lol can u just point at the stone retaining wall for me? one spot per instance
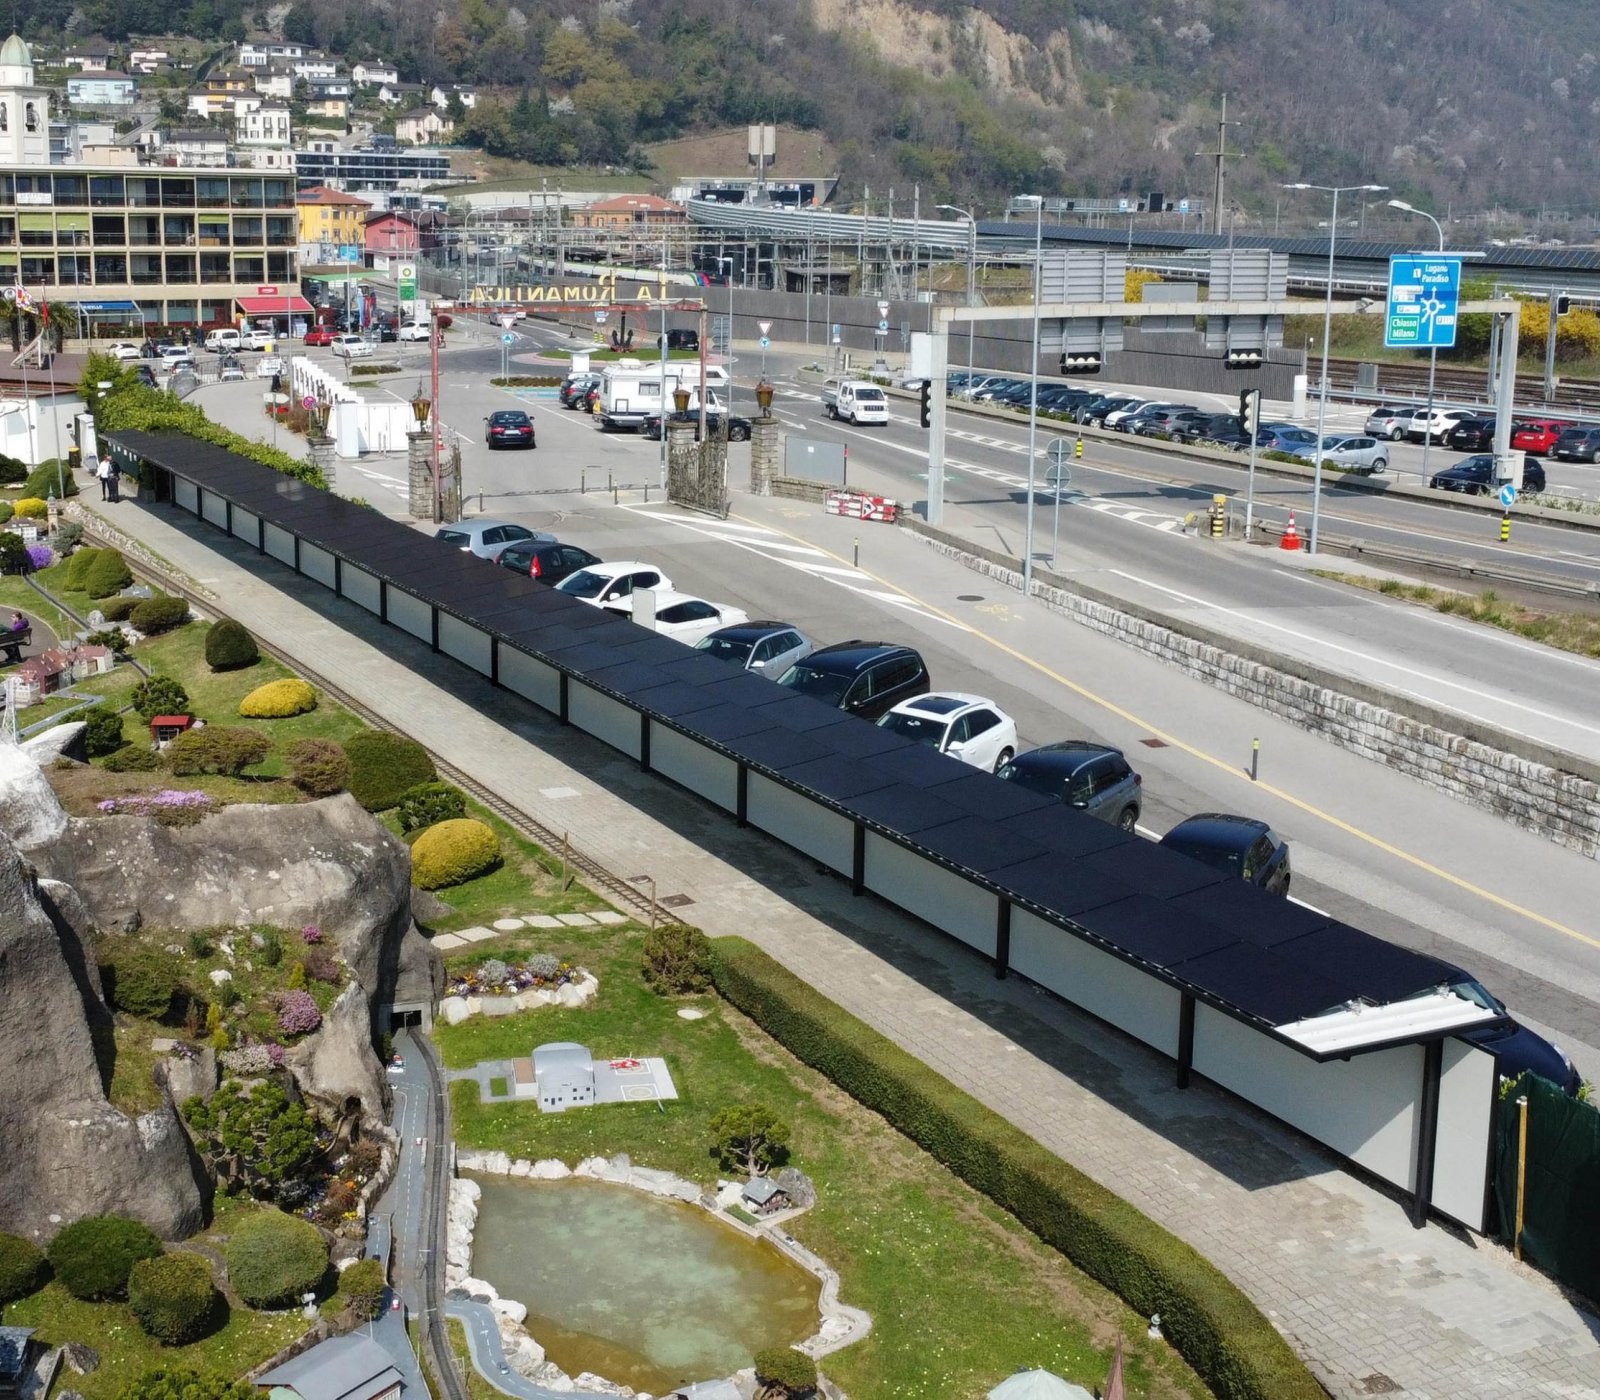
(1543, 790)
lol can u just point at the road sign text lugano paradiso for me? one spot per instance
(603, 290)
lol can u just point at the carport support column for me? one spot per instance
(1185, 1039)
(1002, 939)
(1427, 1131)
(858, 860)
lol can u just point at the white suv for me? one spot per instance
(413, 330)
(351, 347)
(1444, 419)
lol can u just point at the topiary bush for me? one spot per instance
(49, 479)
(677, 960)
(274, 1258)
(427, 804)
(318, 767)
(78, 567)
(133, 759)
(173, 1297)
(230, 647)
(384, 767)
(159, 614)
(143, 984)
(93, 1257)
(785, 1371)
(13, 554)
(6, 512)
(216, 749)
(453, 852)
(107, 574)
(31, 508)
(279, 699)
(361, 1286)
(22, 1268)
(12, 471)
(160, 695)
(102, 731)
(118, 609)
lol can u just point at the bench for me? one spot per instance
(12, 643)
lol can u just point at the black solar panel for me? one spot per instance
(1151, 929)
(836, 777)
(976, 844)
(1266, 985)
(1068, 887)
(1267, 920)
(725, 722)
(892, 807)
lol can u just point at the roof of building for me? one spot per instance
(16, 53)
(624, 202)
(561, 1054)
(1038, 1385)
(195, 136)
(343, 1368)
(321, 194)
(13, 1340)
(760, 1190)
(109, 73)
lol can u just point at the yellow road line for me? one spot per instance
(1221, 764)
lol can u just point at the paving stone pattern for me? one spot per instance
(1369, 1302)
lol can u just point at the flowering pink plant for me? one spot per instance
(145, 804)
(311, 933)
(297, 1014)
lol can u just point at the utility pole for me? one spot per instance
(1220, 155)
(1550, 349)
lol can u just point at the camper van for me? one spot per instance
(631, 390)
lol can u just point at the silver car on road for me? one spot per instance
(1351, 453)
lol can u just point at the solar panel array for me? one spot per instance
(1256, 956)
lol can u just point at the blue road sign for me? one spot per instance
(765, 342)
(1423, 295)
(1508, 495)
(508, 339)
(883, 326)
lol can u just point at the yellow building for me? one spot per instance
(330, 220)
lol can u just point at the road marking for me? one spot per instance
(1326, 645)
(1232, 771)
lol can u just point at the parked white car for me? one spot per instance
(968, 727)
(123, 350)
(351, 347)
(174, 356)
(600, 584)
(680, 616)
(412, 330)
(1438, 428)
(258, 338)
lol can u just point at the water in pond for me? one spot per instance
(650, 1293)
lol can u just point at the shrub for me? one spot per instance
(273, 1258)
(229, 647)
(320, 966)
(49, 479)
(545, 966)
(136, 758)
(750, 1138)
(159, 614)
(92, 1257)
(271, 950)
(21, 1268)
(1219, 1332)
(6, 512)
(427, 804)
(318, 767)
(216, 749)
(453, 852)
(107, 574)
(362, 1285)
(181, 1383)
(31, 508)
(109, 637)
(297, 977)
(200, 947)
(12, 471)
(384, 767)
(173, 1297)
(40, 556)
(78, 568)
(68, 533)
(297, 1013)
(118, 609)
(790, 1372)
(160, 695)
(102, 730)
(144, 984)
(677, 960)
(279, 699)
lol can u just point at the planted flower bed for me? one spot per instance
(543, 971)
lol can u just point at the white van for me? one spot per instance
(856, 401)
(222, 339)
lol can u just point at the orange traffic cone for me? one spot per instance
(1291, 536)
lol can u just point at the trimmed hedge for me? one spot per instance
(279, 699)
(216, 749)
(31, 508)
(22, 1268)
(108, 573)
(173, 1297)
(159, 614)
(384, 767)
(427, 804)
(1234, 1349)
(102, 730)
(78, 567)
(273, 1258)
(230, 647)
(115, 609)
(453, 852)
(318, 767)
(93, 1257)
(48, 479)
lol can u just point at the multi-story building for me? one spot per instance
(260, 55)
(422, 127)
(106, 89)
(167, 246)
(314, 66)
(266, 126)
(378, 168)
(366, 74)
(270, 83)
(330, 220)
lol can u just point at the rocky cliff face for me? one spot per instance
(67, 1151)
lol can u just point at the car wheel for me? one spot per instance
(1380, 465)
(833, 413)
(1395, 434)
(1006, 755)
(1129, 819)
(738, 434)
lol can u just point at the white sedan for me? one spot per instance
(351, 347)
(681, 616)
(600, 584)
(413, 330)
(123, 350)
(175, 357)
(967, 727)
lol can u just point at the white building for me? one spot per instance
(267, 126)
(277, 85)
(422, 127)
(105, 89)
(313, 67)
(440, 96)
(367, 74)
(24, 109)
(148, 60)
(260, 55)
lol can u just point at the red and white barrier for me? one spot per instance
(857, 505)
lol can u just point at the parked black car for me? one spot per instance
(1093, 778)
(1515, 1048)
(738, 428)
(681, 340)
(1219, 428)
(866, 678)
(545, 559)
(1471, 435)
(1474, 476)
(1170, 422)
(1094, 412)
(1578, 445)
(1240, 846)
(575, 389)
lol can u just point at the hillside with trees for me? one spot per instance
(1487, 102)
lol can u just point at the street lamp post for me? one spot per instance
(1327, 328)
(972, 269)
(1433, 350)
(1033, 393)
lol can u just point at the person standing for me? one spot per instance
(103, 471)
(116, 480)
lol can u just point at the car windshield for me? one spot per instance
(1034, 777)
(734, 649)
(586, 583)
(918, 728)
(1230, 862)
(870, 395)
(827, 686)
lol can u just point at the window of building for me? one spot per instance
(180, 267)
(247, 230)
(144, 230)
(249, 269)
(36, 230)
(110, 267)
(212, 192)
(74, 269)
(146, 269)
(177, 194)
(106, 191)
(71, 190)
(215, 267)
(144, 192)
(5, 116)
(110, 230)
(72, 230)
(35, 269)
(31, 116)
(214, 231)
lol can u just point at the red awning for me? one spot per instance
(274, 306)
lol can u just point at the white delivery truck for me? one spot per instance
(856, 400)
(223, 339)
(631, 390)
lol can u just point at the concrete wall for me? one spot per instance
(1540, 789)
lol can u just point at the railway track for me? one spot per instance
(1470, 385)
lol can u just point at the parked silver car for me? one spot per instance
(1389, 421)
(485, 538)
(1352, 453)
(767, 648)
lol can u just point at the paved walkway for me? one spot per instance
(1374, 1306)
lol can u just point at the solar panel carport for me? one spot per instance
(1338, 1033)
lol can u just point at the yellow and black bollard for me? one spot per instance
(1219, 517)
(1505, 527)
(1077, 450)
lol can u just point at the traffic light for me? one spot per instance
(927, 403)
(1243, 359)
(1563, 305)
(1250, 412)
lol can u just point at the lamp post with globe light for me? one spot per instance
(1327, 327)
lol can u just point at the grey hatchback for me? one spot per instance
(767, 648)
(1094, 778)
(486, 538)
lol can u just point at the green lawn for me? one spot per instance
(477, 1387)
(961, 1295)
(15, 594)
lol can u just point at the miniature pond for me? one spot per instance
(650, 1293)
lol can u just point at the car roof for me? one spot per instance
(852, 656)
(665, 598)
(1221, 830)
(508, 413)
(756, 629)
(612, 567)
(1067, 753)
(945, 703)
(539, 540)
